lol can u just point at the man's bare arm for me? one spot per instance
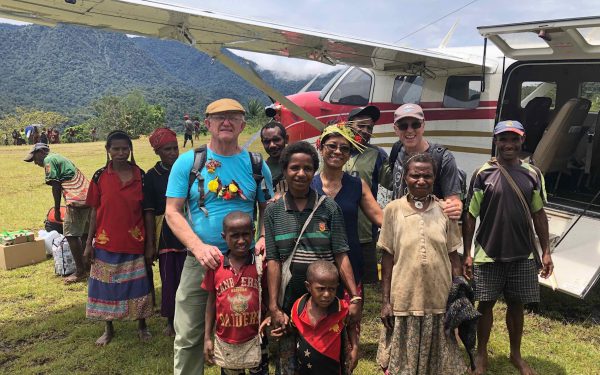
(468, 229)
(207, 255)
(540, 223)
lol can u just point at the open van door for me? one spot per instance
(568, 39)
(558, 62)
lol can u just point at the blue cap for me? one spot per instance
(509, 126)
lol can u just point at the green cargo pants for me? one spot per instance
(190, 305)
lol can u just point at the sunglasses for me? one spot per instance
(404, 125)
(344, 149)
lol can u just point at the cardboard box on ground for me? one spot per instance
(23, 254)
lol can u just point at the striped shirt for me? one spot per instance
(324, 236)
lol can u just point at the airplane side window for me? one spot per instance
(407, 89)
(462, 92)
(535, 89)
(591, 92)
(355, 89)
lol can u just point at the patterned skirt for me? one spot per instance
(417, 345)
(118, 287)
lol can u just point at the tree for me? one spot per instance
(130, 113)
(255, 108)
(24, 117)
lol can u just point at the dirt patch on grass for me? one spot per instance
(21, 343)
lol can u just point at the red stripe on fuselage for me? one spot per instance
(434, 111)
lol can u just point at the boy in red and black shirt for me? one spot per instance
(319, 318)
(233, 305)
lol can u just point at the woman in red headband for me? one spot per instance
(171, 253)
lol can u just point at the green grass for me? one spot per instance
(43, 329)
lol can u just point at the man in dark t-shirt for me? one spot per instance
(504, 251)
(274, 138)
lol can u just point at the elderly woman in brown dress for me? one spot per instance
(419, 245)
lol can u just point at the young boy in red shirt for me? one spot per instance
(234, 308)
(319, 318)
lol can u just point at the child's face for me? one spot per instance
(322, 289)
(238, 236)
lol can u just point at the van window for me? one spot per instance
(462, 92)
(534, 89)
(355, 89)
(407, 89)
(591, 92)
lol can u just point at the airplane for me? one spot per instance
(544, 74)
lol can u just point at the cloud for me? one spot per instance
(287, 68)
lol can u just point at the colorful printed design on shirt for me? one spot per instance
(322, 226)
(236, 300)
(136, 233)
(319, 347)
(239, 302)
(102, 238)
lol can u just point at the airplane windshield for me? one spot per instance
(331, 83)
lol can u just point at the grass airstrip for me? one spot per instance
(43, 329)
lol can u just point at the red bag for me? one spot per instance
(50, 215)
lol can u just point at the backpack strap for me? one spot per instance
(394, 153)
(437, 153)
(195, 174)
(257, 162)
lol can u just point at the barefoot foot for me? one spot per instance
(144, 334)
(105, 338)
(481, 363)
(169, 331)
(521, 365)
(74, 278)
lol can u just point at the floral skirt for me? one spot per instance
(417, 345)
(118, 287)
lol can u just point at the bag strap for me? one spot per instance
(525, 206)
(317, 204)
(258, 262)
(195, 174)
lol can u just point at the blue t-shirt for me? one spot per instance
(348, 198)
(235, 167)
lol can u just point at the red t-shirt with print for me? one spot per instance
(236, 299)
(119, 215)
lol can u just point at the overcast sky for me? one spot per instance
(391, 21)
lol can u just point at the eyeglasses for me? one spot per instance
(344, 149)
(233, 119)
(404, 125)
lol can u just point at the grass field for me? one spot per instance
(43, 329)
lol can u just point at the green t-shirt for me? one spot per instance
(58, 168)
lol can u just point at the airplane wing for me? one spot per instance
(211, 32)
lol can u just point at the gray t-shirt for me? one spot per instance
(188, 126)
(447, 180)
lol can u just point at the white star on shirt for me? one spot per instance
(306, 353)
(297, 345)
(309, 365)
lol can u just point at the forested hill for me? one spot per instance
(66, 68)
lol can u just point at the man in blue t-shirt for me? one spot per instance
(228, 186)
